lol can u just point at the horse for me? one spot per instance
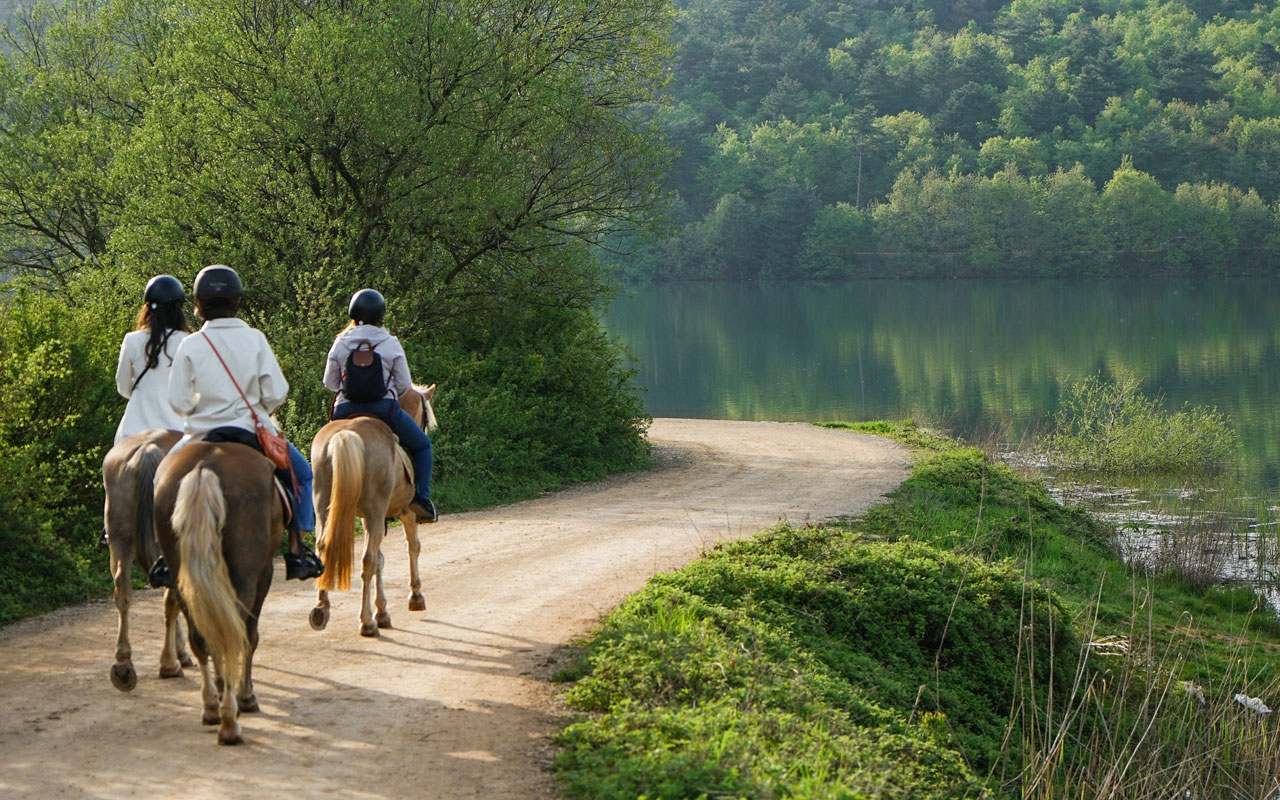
(221, 553)
(358, 471)
(128, 475)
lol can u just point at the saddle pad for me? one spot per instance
(286, 498)
(405, 462)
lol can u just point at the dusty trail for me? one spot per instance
(450, 703)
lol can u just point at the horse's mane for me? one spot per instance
(428, 413)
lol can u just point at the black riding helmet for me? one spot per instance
(367, 307)
(162, 290)
(217, 280)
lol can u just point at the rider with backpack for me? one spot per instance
(146, 356)
(225, 383)
(366, 366)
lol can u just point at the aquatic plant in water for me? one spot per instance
(1111, 426)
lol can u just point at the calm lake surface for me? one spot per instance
(961, 353)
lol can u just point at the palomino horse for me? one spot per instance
(358, 471)
(221, 553)
(128, 474)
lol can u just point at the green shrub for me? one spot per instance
(1110, 426)
(58, 412)
(783, 666)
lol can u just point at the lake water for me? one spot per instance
(977, 357)
(962, 353)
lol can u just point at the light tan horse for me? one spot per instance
(128, 475)
(219, 521)
(358, 471)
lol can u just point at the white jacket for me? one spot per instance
(395, 370)
(148, 406)
(201, 391)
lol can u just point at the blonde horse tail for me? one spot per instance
(143, 464)
(338, 539)
(203, 580)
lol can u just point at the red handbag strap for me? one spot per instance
(257, 423)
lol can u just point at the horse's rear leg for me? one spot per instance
(247, 701)
(120, 537)
(371, 579)
(410, 523)
(320, 614)
(209, 682)
(174, 656)
(220, 708)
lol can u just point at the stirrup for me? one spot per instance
(302, 566)
(158, 576)
(424, 508)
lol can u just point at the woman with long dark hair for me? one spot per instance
(146, 356)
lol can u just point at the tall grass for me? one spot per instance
(1133, 728)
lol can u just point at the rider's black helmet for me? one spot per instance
(217, 280)
(162, 290)
(367, 307)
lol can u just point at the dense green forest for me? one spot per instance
(837, 138)
(460, 158)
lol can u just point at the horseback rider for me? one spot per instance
(211, 397)
(146, 357)
(364, 333)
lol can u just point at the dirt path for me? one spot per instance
(450, 703)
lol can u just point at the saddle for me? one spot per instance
(283, 479)
(400, 451)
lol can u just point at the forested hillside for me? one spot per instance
(832, 138)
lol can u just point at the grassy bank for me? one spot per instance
(968, 638)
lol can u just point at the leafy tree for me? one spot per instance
(1139, 216)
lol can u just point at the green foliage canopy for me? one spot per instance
(847, 100)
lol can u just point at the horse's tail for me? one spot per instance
(203, 580)
(143, 464)
(338, 539)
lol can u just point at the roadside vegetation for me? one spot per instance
(969, 638)
(460, 158)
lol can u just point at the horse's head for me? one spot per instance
(416, 402)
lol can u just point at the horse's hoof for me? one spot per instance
(417, 602)
(185, 660)
(123, 677)
(319, 618)
(247, 705)
(368, 629)
(171, 672)
(230, 737)
(383, 620)
(211, 717)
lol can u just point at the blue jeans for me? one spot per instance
(306, 505)
(412, 438)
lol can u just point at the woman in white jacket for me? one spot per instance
(146, 358)
(213, 392)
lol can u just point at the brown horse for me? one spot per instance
(221, 553)
(358, 471)
(128, 474)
